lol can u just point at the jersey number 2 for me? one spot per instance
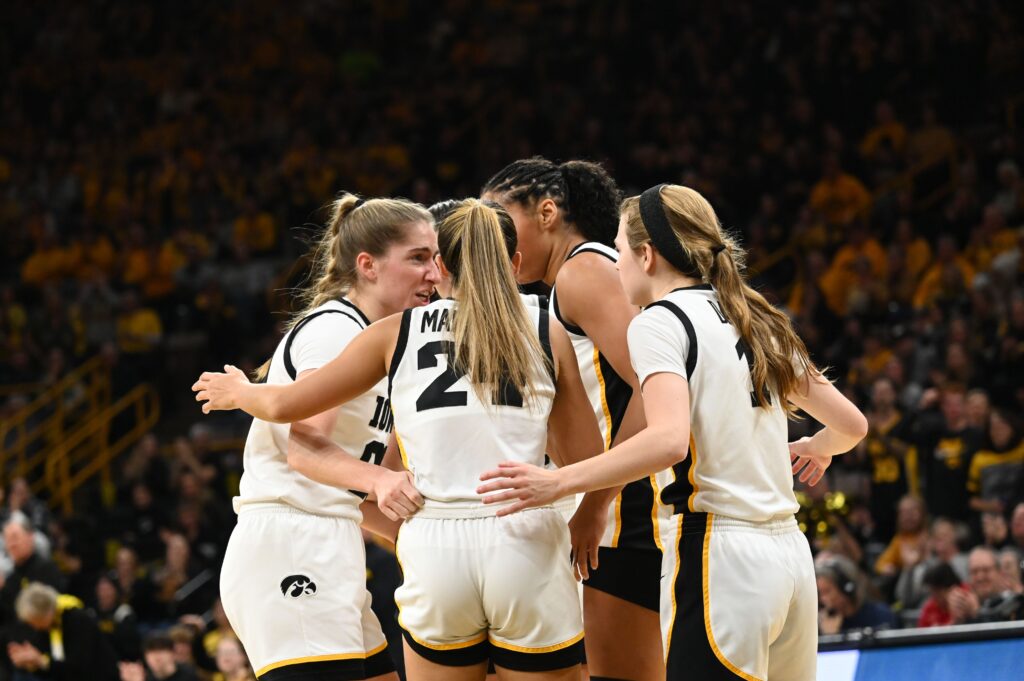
(437, 394)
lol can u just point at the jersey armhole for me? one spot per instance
(400, 344)
(691, 351)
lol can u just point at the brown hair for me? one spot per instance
(355, 226)
(776, 348)
(495, 342)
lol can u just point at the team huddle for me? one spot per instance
(628, 431)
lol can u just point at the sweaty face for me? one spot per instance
(407, 272)
(530, 237)
(630, 266)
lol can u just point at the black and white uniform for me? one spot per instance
(477, 586)
(738, 590)
(293, 581)
(630, 558)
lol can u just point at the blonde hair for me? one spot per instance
(35, 601)
(496, 344)
(355, 226)
(775, 346)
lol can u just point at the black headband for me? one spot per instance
(652, 214)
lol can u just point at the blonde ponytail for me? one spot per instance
(496, 344)
(778, 353)
(355, 226)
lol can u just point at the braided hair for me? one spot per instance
(586, 194)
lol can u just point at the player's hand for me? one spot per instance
(397, 498)
(586, 527)
(219, 391)
(527, 485)
(807, 463)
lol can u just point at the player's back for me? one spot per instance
(447, 435)
(738, 464)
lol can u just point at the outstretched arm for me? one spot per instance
(661, 444)
(362, 364)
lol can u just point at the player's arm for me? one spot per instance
(844, 423)
(374, 520)
(573, 434)
(606, 325)
(664, 442)
(358, 368)
(313, 453)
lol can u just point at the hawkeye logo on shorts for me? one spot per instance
(297, 586)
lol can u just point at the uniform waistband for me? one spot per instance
(436, 510)
(270, 507)
(696, 523)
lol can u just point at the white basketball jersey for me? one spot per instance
(361, 428)
(447, 436)
(738, 464)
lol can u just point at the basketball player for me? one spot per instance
(566, 216)
(720, 370)
(293, 581)
(473, 381)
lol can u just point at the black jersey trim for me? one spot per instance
(544, 333)
(571, 328)
(289, 366)
(691, 353)
(695, 287)
(588, 247)
(400, 344)
(355, 308)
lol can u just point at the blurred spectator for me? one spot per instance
(28, 565)
(20, 498)
(942, 549)
(132, 583)
(887, 450)
(842, 599)
(997, 470)
(995, 533)
(232, 664)
(838, 196)
(986, 593)
(1010, 567)
(945, 445)
(174, 590)
(908, 547)
(117, 620)
(79, 649)
(1017, 528)
(941, 581)
(160, 665)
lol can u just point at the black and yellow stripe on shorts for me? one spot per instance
(340, 667)
(692, 651)
(508, 656)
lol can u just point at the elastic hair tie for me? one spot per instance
(715, 250)
(358, 203)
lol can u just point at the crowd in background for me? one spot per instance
(159, 162)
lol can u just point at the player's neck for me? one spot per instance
(367, 305)
(559, 253)
(663, 284)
